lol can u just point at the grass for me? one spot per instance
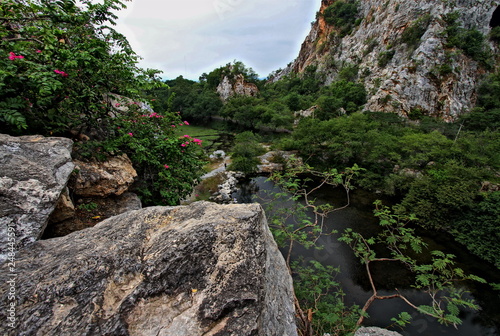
(208, 135)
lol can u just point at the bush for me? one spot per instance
(342, 15)
(495, 34)
(60, 63)
(412, 34)
(481, 239)
(66, 71)
(245, 152)
(385, 57)
(471, 41)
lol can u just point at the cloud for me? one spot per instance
(191, 37)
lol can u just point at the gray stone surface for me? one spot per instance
(375, 331)
(34, 171)
(203, 269)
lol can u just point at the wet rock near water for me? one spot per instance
(203, 269)
(34, 171)
(274, 161)
(227, 188)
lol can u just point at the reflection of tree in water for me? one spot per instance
(247, 188)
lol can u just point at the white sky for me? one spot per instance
(195, 36)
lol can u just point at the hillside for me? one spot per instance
(414, 57)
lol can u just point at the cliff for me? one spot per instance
(404, 53)
(237, 86)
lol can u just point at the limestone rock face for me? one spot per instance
(412, 78)
(34, 171)
(203, 269)
(238, 86)
(102, 179)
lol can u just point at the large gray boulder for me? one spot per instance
(34, 171)
(202, 269)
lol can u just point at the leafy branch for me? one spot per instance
(438, 278)
(315, 288)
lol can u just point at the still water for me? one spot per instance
(359, 217)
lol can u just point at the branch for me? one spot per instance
(41, 17)
(22, 39)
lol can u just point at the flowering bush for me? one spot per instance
(58, 61)
(168, 165)
(62, 68)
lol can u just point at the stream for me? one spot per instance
(359, 217)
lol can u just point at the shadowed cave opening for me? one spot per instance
(495, 19)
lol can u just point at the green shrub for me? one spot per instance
(495, 34)
(471, 41)
(245, 152)
(342, 15)
(413, 33)
(385, 57)
(481, 239)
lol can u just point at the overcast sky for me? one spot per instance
(191, 37)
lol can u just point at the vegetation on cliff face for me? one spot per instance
(64, 71)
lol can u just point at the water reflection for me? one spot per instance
(388, 275)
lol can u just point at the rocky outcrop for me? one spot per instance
(236, 86)
(274, 161)
(375, 331)
(431, 77)
(309, 113)
(34, 171)
(102, 179)
(203, 269)
(226, 189)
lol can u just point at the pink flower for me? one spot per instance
(173, 126)
(183, 145)
(38, 51)
(185, 122)
(166, 166)
(131, 134)
(62, 73)
(13, 56)
(117, 104)
(186, 136)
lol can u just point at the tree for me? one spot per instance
(60, 62)
(64, 69)
(396, 243)
(245, 152)
(439, 278)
